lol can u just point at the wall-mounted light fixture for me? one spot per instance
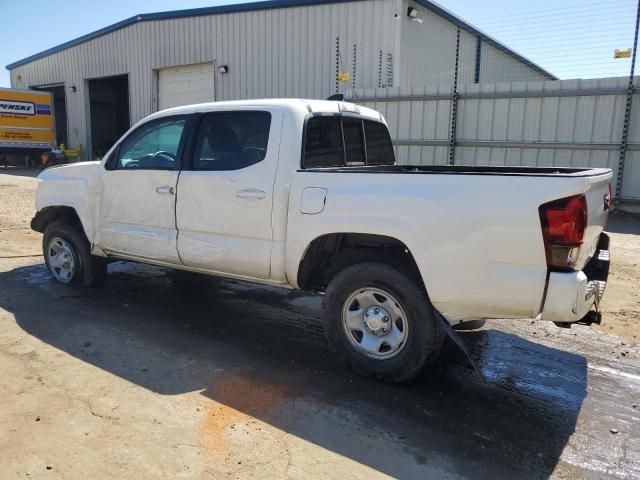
(412, 13)
(223, 68)
(73, 88)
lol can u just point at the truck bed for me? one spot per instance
(475, 231)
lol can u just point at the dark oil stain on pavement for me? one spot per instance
(261, 352)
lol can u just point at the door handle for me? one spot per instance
(166, 190)
(251, 193)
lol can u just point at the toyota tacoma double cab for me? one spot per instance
(306, 194)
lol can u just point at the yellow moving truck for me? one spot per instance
(26, 121)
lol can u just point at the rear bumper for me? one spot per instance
(571, 295)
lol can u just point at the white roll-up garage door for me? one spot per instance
(185, 85)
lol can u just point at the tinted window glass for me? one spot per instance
(323, 143)
(231, 140)
(153, 146)
(379, 147)
(353, 141)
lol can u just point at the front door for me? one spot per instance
(225, 200)
(137, 198)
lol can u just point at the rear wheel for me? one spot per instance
(68, 256)
(381, 322)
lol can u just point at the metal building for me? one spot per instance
(109, 79)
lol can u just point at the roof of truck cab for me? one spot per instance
(311, 106)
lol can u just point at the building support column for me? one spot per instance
(476, 75)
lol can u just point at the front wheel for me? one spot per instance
(381, 322)
(68, 256)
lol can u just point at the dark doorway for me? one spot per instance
(59, 111)
(109, 111)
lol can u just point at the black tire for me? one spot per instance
(424, 336)
(89, 270)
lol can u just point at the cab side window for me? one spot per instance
(323, 146)
(231, 140)
(153, 146)
(379, 146)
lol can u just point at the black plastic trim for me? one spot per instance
(598, 269)
(550, 172)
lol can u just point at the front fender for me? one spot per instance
(69, 186)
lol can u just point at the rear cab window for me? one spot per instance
(323, 146)
(345, 140)
(379, 146)
(354, 149)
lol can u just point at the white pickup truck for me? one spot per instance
(306, 194)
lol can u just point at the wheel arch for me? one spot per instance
(54, 213)
(329, 253)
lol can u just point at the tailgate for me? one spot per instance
(599, 201)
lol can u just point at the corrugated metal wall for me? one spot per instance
(288, 52)
(436, 36)
(580, 121)
(429, 54)
(496, 66)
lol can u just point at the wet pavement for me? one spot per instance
(272, 400)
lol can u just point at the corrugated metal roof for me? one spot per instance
(271, 4)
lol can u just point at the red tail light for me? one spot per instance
(563, 224)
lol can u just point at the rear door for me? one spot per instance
(137, 199)
(225, 198)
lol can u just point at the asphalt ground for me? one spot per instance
(156, 376)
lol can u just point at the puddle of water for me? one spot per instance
(37, 275)
(312, 302)
(614, 372)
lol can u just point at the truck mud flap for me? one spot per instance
(455, 338)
